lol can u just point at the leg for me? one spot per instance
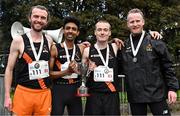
(75, 107)
(93, 105)
(58, 104)
(138, 108)
(111, 104)
(74, 103)
(160, 108)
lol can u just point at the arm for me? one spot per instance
(119, 43)
(13, 55)
(85, 59)
(115, 48)
(57, 74)
(168, 72)
(155, 34)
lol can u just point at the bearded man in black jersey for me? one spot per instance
(32, 95)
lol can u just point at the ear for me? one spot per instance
(110, 33)
(143, 22)
(78, 33)
(29, 18)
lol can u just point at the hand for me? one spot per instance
(8, 103)
(86, 44)
(73, 67)
(118, 42)
(172, 96)
(92, 65)
(155, 35)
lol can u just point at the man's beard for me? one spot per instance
(37, 30)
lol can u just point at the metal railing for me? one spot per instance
(3, 111)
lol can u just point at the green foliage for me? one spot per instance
(160, 15)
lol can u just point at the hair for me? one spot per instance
(103, 21)
(135, 10)
(42, 8)
(71, 19)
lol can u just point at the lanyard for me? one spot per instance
(100, 54)
(67, 53)
(36, 55)
(135, 51)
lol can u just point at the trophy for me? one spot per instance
(82, 91)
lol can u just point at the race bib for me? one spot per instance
(64, 67)
(103, 74)
(38, 69)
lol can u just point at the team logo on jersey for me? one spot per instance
(149, 48)
(63, 56)
(95, 55)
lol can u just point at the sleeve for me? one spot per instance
(167, 68)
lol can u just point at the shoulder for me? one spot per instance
(49, 39)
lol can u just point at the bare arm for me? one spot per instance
(115, 48)
(15, 51)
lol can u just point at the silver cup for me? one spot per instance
(82, 91)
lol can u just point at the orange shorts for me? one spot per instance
(28, 101)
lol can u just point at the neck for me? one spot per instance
(69, 44)
(102, 45)
(36, 36)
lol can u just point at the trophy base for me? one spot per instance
(82, 92)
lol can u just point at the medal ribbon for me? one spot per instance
(36, 55)
(135, 51)
(100, 54)
(67, 53)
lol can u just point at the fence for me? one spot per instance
(3, 111)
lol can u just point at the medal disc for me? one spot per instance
(134, 59)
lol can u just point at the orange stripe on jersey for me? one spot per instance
(71, 81)
(42, 84)
(111, 86)
(58, 64)
(27, 58)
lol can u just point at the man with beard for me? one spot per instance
(63, 70)
(147, 64)
(31, 50)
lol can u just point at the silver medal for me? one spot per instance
(134, 59)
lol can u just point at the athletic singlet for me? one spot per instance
(22, 71)
(61, 59)
(103, 86)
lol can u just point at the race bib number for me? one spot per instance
(38, 69)
(103, 74)
(64, 67)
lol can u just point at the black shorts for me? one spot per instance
(102, 104)
(65, 96)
